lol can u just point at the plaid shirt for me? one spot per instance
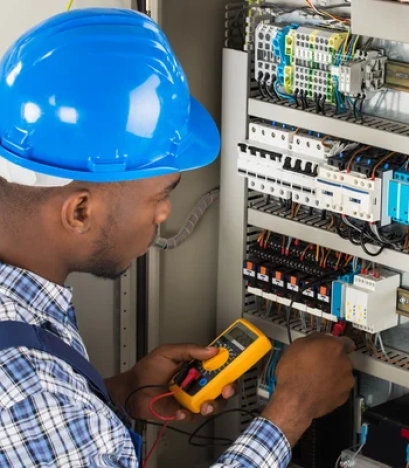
(49, 416)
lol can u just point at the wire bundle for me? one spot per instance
(268, 379)
(363, 234)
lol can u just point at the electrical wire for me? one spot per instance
(324, 13)
(191, 376)
(321, 279)
(145, 387)
(187, 229)
(160, 397)
(155, 444)
(213, 418)
(223, 441)
(357, 452)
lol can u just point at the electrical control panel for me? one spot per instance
(316, 196)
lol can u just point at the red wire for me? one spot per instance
(159, 397)
(155, 444)
(192, 375)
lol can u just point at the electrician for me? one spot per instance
(96, 125)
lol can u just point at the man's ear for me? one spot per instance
(76, 212)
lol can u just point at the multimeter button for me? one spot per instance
(216, 361)
(202, 382)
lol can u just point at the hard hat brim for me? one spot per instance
(202, 147)
(199, 148)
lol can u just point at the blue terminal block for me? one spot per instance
(398, 197)
(337, 299)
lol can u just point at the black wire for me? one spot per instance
(339, 231)
(270, 89)
(324, 98)
(364, 248)
(194, 434)
(224, 441)
(355, 104)
(261, 89)
(351, 238)
(213, 418)
(360, 108)
(302, 99)
(317, 103)
(296, 97)
(305, 100)
(164, 387)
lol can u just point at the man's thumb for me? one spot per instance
(187, 352)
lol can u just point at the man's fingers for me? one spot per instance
(185, 416)
(229, 391)
(212, 407)
(349, 345)
(186, 352)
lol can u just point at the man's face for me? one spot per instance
(128, 224)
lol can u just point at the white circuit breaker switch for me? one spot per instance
(272, 135)
(309, 145)
(370, 302)
(351, 77)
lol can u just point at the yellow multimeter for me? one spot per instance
(240, 346)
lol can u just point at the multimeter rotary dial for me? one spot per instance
(224, 356)
(217, 361)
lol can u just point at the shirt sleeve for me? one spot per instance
(262, 445)
(49, 429)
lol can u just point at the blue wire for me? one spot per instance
(270, 377)
(281, 95)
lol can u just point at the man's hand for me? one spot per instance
(314, 377)
(157, 368)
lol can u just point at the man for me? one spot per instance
(96, 125)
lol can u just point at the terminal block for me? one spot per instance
(266, 61)
(351, 77)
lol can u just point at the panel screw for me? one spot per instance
(402, 300)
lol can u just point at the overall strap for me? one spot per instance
(16, 334)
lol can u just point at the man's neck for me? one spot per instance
(38, 259)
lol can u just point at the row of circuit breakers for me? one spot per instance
(362, 182)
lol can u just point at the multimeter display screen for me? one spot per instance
(241, 335)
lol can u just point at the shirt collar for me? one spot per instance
(36, 293)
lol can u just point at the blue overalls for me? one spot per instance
(16, 334)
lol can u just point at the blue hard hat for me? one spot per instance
(98, 95)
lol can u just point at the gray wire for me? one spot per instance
(196, 214)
